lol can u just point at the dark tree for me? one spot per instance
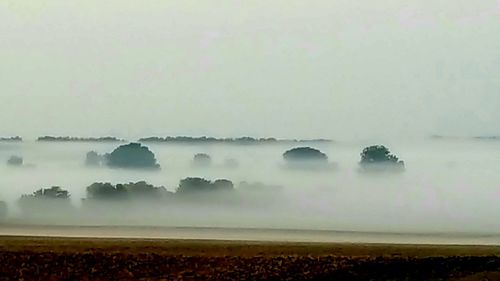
(379, 156)
(15, 161)
(143, 189)
(202, 160)
(133, 156)
(47, 201)
(106, 191)
(305, 154)
(54, 192)
(128, 191)
(193, 185)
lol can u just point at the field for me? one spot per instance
(55, 258)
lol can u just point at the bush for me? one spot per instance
(133, 156)
(378, 157)
(202, 160)
(15, 161)
(305, 154)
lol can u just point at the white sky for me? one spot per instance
(304, 69)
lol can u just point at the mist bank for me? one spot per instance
(446, 186)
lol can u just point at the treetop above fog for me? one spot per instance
(132, 155)
(54, 192)
(379, 154)
(137, 190)
(300, 154)
(196, 185)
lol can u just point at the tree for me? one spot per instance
(45, 201)
(201, 185)
(190, 185)
(127, 191)
(106, 191)
(143, 189)
(202, 160)
(15, 161)
(378, 157)
(132, 156)
(54, 192)
(305, 154)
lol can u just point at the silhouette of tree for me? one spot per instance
(127, 191)
(201, 185)
(378, 157)
(132, 156)
(305, 154)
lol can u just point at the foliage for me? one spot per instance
(78, 139)
(54, 192)
(212, 140)
(138, 190)
(302, 154)
(201, 185)
(133, 156)
(11, 139)
(377, 155)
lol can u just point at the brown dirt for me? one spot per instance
(44, 258)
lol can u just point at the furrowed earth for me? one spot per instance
(58, 258)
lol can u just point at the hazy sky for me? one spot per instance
(285, 68)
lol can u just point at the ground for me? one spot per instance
(53, 258)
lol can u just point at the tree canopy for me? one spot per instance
(379, 155)
(54, 192)
(197, 185)
(137, 190)
(132, 156)
(305, 154)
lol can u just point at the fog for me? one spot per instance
(448, 186)
(357, 72)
